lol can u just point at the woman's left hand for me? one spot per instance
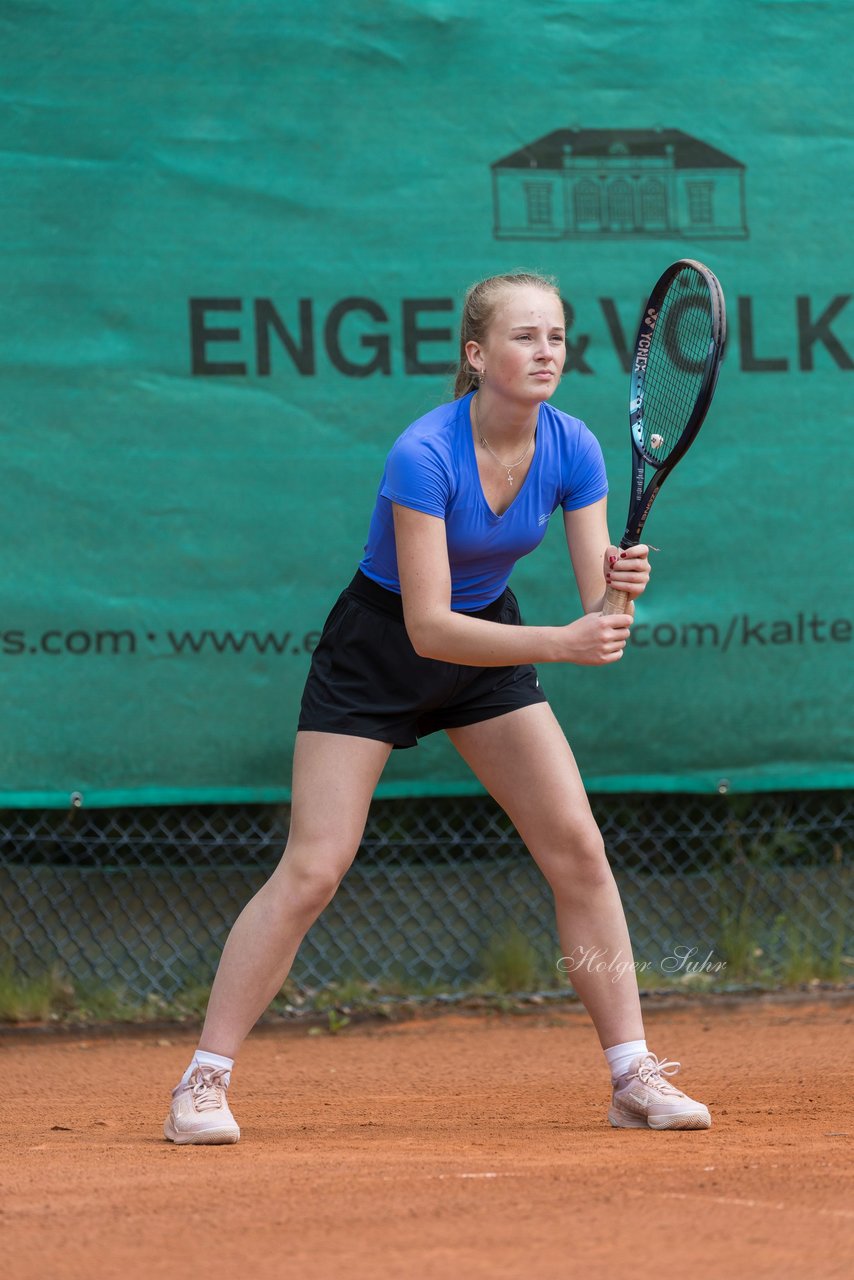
(628, 570)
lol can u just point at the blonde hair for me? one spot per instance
(479, 307)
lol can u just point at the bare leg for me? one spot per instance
(524, 761)
(333, 781)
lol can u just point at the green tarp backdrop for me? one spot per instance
(234, 241)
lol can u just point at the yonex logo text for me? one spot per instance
(645, 340)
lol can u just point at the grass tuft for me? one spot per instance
(34, 999)
(511, 964)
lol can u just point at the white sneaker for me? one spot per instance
(643, 1099)
(200, 1112)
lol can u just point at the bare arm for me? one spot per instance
(436, 631)
(597, 563)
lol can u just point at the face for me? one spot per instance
(525, 347)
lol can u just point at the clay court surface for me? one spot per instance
(451, 1146)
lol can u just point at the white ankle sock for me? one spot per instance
(201, 1058)
(621, 1056)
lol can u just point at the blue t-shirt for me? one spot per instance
(432, 467)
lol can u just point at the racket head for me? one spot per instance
(678, 353)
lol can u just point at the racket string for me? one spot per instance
(676, 364)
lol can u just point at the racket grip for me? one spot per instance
(615, 601)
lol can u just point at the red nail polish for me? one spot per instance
(607, 577)
(622, 555)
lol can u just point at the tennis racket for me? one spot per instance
(678, 353)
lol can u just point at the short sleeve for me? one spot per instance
(587, 481)
(416, 477)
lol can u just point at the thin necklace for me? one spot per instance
(508, 466)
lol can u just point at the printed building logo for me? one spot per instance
(587, 183)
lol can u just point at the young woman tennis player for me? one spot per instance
(428, 636)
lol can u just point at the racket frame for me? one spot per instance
(643, 495)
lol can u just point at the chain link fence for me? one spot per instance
(143, 899)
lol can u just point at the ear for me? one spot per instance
(475, 355)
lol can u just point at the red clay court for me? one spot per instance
(438, 1148)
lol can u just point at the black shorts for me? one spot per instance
(366, 680)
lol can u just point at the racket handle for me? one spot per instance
(615, 601)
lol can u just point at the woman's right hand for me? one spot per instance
(595, 639)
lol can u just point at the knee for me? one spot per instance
(577, 864)
(312, 890)
(307, 882)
